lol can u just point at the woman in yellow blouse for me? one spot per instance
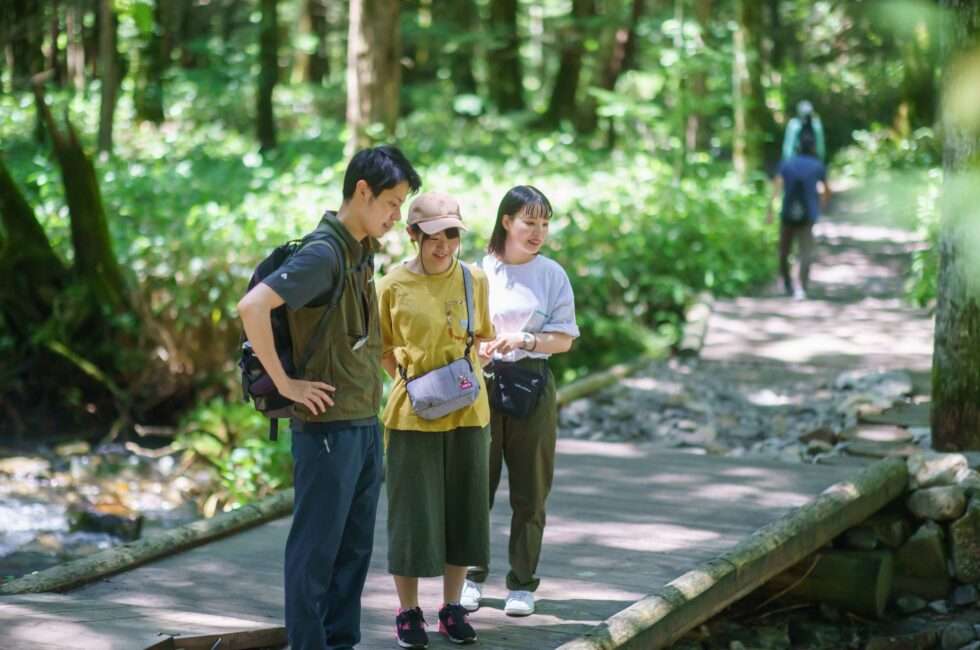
(437, 470)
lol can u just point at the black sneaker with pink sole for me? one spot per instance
(454, 624)
(410, 629)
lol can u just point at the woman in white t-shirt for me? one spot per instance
(533, 312)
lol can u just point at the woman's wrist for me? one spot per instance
(529, 341)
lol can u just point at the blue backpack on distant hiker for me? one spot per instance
(257, 386)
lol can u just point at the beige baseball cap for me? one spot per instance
(434, 212)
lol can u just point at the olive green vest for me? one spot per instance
(356, 374)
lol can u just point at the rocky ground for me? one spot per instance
(842, 377)
(67, 501)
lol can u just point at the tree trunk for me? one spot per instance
(53, 60)
(505, 76)
(754, 126)
(619, 57)
(956, 355)
(75, 55)
(268, 76)
(25, 41)
(373, 69)
(34, 272)
(768, 144)
(95, 263)
(696, 132)
(418, 56)
(776, 32)
(108, 62)
(562, 104)
(462, 20)
(740, 92)
(312, 65)
(148, 97)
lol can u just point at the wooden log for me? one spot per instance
(660, 619)
(696, 326)
(77, 572)
(592, 383)
(858, 581)
(267, 637)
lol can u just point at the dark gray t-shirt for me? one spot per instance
(308, 276)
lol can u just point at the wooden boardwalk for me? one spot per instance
(623, 521)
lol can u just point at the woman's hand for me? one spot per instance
(505, 343)
(481, 353)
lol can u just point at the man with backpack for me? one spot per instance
(801, 177)
(806, 121)
(327, 288)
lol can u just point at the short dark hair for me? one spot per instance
(381, 168)
(808, 144)
(522, 197)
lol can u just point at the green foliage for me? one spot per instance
(232, 437)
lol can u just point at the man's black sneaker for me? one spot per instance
(410, 629)
(453, 623)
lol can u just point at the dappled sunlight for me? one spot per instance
(646, 537)
(588, 448)
(845, 490)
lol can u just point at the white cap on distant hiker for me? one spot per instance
(804, 108)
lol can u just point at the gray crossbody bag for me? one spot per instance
(453, 386)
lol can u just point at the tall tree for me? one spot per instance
(505, 74)
(109, 67)
(696, 132)
(461, 17)
(312, 64)
(562, 104)
(373, 69)
(754, 135)
(75, 51)
(619, 56)
(956, 354)
(24, 34)
(148, 90)
(268, 75)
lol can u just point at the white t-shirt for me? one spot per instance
(532, 297)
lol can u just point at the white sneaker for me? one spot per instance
(519, 603)
(471, 596)
(799, 294)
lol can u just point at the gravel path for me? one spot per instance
(773, 370)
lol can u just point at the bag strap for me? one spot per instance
(470, 338)
(338, 292)
(468, 289)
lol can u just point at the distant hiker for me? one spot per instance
(336, 439)
(533, 311)
(806, 121)
(434, 314)
(801, 177)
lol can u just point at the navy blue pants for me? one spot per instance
(337, 475)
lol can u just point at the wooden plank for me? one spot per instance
(657, 621)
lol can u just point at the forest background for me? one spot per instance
(153, 151)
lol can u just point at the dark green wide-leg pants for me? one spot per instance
(528, 447)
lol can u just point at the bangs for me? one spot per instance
(536, 210)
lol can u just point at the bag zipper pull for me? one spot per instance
(326, 444)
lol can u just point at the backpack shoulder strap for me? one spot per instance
(335, 296)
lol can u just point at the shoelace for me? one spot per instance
(407, 617)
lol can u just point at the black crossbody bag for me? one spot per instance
(515, 390)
